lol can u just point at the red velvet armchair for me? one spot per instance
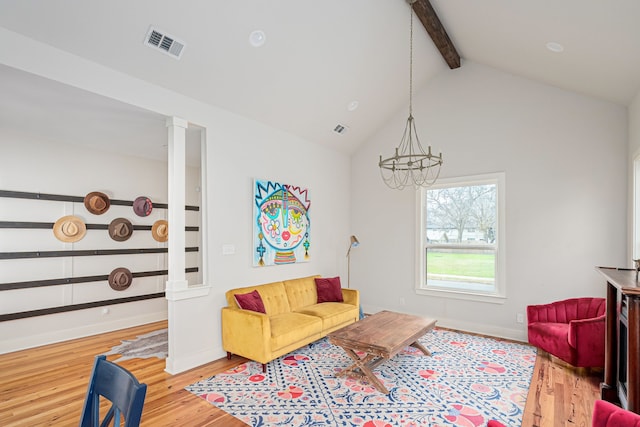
(573, 330)
(605, 414)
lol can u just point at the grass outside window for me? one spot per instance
(461, 264)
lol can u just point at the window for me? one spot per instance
(461, 245)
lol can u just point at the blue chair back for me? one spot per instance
(118, 386)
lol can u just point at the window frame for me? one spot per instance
(499, 294)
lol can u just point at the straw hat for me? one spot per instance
(142, 206)
(69, 229)
(97, 203)
(120, 229)
(120, 279)
(160, 230)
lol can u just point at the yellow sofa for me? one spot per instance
(293, 319)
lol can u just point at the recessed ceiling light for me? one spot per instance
(352, 105)
(555, 47)
(257, 38)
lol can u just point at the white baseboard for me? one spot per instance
(475, 327)
(176, 365)
(51, 337)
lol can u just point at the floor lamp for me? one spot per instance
(354, 244)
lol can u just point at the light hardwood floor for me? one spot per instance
(45, 386)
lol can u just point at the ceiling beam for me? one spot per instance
(424, 11)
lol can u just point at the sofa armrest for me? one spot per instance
(246, 333)
(351, 296)
(588, 334)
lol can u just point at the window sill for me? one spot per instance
(463, 295)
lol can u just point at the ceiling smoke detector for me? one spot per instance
(165, 43)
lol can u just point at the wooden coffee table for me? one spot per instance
(380, 336)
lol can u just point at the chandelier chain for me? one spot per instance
(411, 60)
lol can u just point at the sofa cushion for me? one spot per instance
(333, 314)
(288, 328)
(273, 297)
(301, 292)
(328, 289)
(250, 301)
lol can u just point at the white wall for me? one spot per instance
(565, 159)
(634, 125)
(238, 150)
(634, 179)
(55, 168)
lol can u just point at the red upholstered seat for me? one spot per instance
(607, 414)
(573, 330)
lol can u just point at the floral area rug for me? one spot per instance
(467, 381)
(153, 344)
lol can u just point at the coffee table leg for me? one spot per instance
(365, 371)
(421, 348)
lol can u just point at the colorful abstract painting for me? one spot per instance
(281, 228)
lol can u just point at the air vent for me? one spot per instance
(165, 43)
(340, 129)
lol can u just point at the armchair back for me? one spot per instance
(567, 310)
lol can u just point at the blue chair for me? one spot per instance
(120, 387)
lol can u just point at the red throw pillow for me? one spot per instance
(329, 289)
(251, 301)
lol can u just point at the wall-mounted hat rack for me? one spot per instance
(87, 252)
(48, 225)
(74, 307)
(83, 279)
(80, 253)
(78, 199)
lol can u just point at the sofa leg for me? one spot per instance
(264, 368)
(228, 355)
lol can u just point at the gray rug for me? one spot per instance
(153, 344)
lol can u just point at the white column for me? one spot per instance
(177, 134)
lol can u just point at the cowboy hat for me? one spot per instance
(69, 229)
(160, 230)
(97, 203)
(120, 279)
(142, 206)
(120, 229)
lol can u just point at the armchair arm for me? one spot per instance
(588, 334)
(351, 296)
(246, 333)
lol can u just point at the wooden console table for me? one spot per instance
(622, 342)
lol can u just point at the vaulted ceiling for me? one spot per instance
(321, 56)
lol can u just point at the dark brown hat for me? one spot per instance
(160, 230)
(142, 206)
(120, 279)
(69, 229)
(120, 229)
(97, 203)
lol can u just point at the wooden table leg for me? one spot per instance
(364, 366)
(421, 348)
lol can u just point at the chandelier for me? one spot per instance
(411, 164)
